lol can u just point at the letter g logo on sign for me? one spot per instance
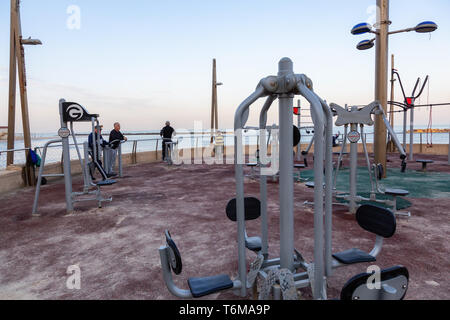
(75, 112)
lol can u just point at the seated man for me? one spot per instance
(115, 138)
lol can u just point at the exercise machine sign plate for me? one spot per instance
(64, 133)
(354, 136)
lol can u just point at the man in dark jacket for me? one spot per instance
(92, 140)
(166, 133)
(115, 139)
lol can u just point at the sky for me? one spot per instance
(142, 62)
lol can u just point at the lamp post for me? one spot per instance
(17, 67)
(214, 104)
(381, 41)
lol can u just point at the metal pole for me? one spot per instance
(328, 188)
(12, 87)
(87, 177)
(239, 176)
(214, 116)
(381, 79)
(353, 168)
(120, 161)
(405, 121)
(449, 148)
(411, 135)
(66, 162)
(299, 123)
(39, 182)
(391, 114)
(20, 54)
(319, 124)
(421, 143)
(345, 134)
(286, 172)
(263, 178)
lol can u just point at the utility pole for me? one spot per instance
(214, 103)
(381, 66)
(381, 79)
(17, 65)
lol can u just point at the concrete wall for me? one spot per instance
(12, 178)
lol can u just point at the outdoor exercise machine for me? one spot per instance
(409, 105)
(109, 161)
(352, 118)
(171, 150)
(71, 113)
(282, 276)
(269, 134)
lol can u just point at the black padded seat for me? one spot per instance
(396, 192)
(253, 244)
(105, 183)
(299, 166)
(354, 256)
(252, 165)
(424, 161)
(201, 287)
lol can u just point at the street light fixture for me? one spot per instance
(31, 42)
(426, 27)
(381, 30)
(423, 27)
(366, 44)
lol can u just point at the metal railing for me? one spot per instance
(18, 160)
(136, 146)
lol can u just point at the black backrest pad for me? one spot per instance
(297, 136)
(252, 209)
(380, 170)
(175, 258)
(377, 220)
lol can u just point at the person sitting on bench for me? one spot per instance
(166, 133)
(115, 138)
(96, 163)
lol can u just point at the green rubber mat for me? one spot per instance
(430, 185)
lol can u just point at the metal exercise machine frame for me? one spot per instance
(69, 113)
(354, 117)
(284, 87)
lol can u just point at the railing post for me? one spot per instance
(449, 148)
(157, 145)
(120, 161)
(134, 153)
(421, 142)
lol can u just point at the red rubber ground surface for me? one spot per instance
(117, 247)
